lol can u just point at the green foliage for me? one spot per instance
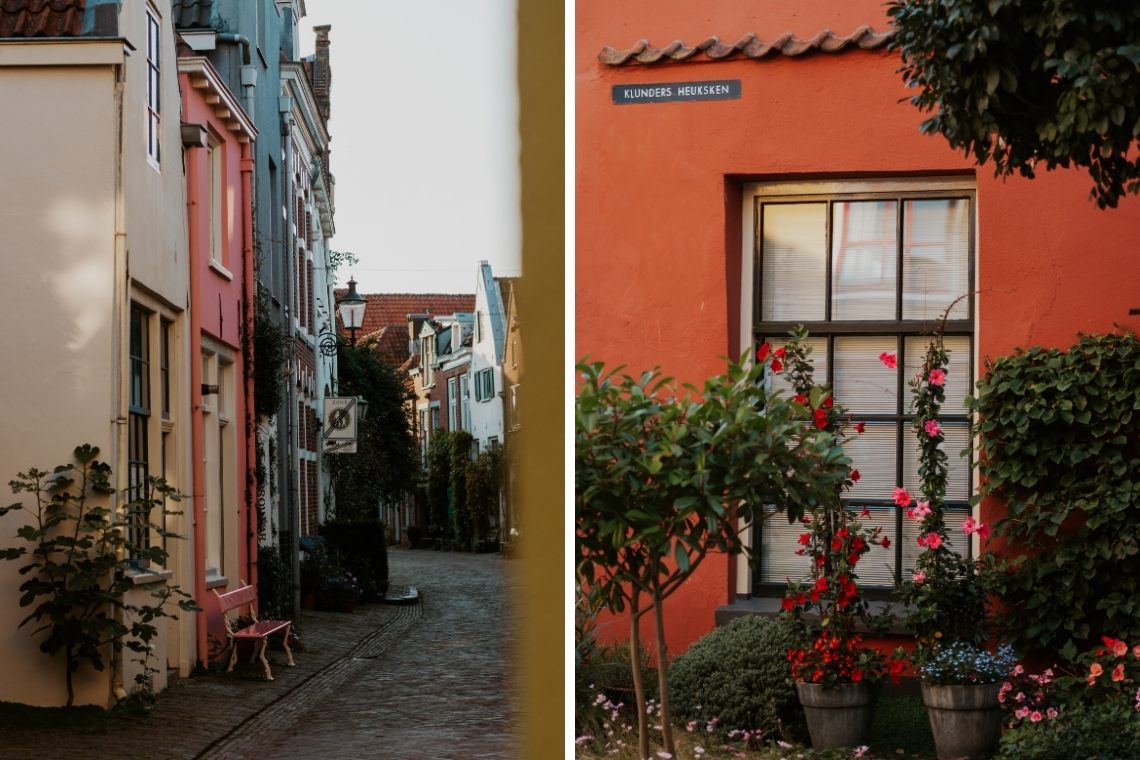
(1104, 730)
(78, 569)
(363, 552)
(901, 723)
(317, 568)
(272, 351)
(386, 459)
(337, 259)
(484, 483)
(951, 601)
(439, 481)
(1060, 443)
(1029, 84)
(460, 445)
(739, 674)
(274, 583)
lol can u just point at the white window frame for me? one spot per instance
(454, 422)
(153, 124)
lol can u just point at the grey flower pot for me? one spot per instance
(839, 717)
(966, 720)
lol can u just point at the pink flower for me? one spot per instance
(1095, 669)
(932, 428)
(1035, 716)
(922, 509)
(1018, 670)
(910, 514)
(1136, 651)
(919, 577)
(890, 359)
(901, 497)
(932, 541)
(1021, 712)
(1118, 672)
(983, 531)
(937, 377)
(1119, 648)
(1051, 712)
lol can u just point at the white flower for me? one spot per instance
(784, 744)
(699, 749)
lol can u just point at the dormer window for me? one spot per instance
(428, 358)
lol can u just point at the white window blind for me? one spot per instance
(936, 257)
(958, 383)
(861, 380)
(864, 260)
(794, 254)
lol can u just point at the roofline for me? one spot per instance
(864, 37)
(203, 76)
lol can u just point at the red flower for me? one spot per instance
(762, 352)
(860, 427)
(885, 543)
(800, 552)
(836, 544)
(850, 589)
(858, 544)
(777, 365)
(821, 584)
(855, 479)
(841, 579)
(852, 559)
(843, 533)
(856, 675)
(814, 595)
(800, 399)
(842, 602)
(804, 539)
(820, 418)
(820, 560)
(780, 352)
(828, 402)
(799, 598)
(787, 604)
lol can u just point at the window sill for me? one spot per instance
(216, 581)
(769, 607)
(217, 267)
(143, 577)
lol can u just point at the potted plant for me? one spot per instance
(342, 591)
(962, 690)
(314, 571)
(838, 678)
(948, 595)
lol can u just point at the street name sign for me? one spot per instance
(676, 92)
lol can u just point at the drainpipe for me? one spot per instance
(241, 40)
(197, 443)
(119, 453)
(247, 164)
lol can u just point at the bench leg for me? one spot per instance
(288, 651)
(233, 655)
(253, 657)
(265, 662)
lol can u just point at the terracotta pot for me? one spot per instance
(839, 717)
(308, 601)
(965, 720)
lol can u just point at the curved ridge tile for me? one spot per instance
(749, 45)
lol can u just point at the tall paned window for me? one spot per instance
(138, 439)
(870, 274)
(452, 405)
(153, 89)
(465, 400)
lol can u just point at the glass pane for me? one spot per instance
(873, 455)
(862, 382)
(936, 258)
(958, 381)
(794, 255)
(817, 357)
(778, 544)
(864, 260)
(956, 540)
(877, 568)
(956, 438)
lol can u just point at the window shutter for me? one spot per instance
(936, 257)
(794, 252)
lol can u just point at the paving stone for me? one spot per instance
(426, 680)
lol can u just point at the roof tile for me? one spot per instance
(864, 37)
(41, 18)
(193, 14)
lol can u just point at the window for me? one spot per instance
(138, 432)
(484, 385)
(465, 401)
(164, 368)
(452, 405)
(214, 212)
(153, 89)
(428, 358)
(478, 327)
(514, 408)
(866, 274)
(435, 417)
(425, 436)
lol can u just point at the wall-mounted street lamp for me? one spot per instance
(361, 408)
(352, 310)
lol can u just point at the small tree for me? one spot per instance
(460, 465)
(438, 481)
(1029, 85)
(80, 558)
(484, 485)
(661, 480)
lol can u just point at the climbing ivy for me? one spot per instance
(1060, 443)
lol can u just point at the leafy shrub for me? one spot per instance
(1105, 731)
(1059, 432)
(740, 675)
(316, 567)
(439, 481)
(361, 550)
(274, 583)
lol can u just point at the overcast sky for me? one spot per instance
(424, 148)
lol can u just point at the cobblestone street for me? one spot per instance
(429, 680)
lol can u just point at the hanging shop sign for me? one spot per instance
(340, 425)
(674, 92)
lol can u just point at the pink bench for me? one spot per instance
(261, 629)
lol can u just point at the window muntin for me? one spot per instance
(153, 89)
(164, 367)
(867, 274)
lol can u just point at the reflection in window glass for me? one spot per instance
(864, 260)
(936, 257)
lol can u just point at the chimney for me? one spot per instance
(322, 73)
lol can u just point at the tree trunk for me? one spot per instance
(70, 689)
(662, 673)
(638, 685)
